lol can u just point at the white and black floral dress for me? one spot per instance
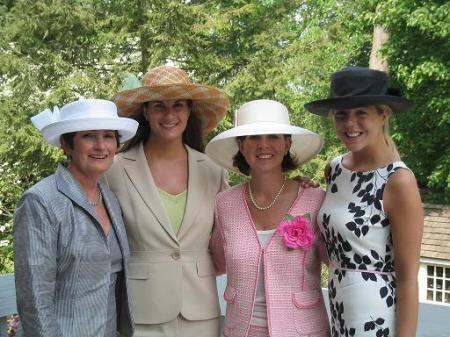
(358, 239)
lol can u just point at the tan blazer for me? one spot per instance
(168, 273)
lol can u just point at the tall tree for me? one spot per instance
(53, 51)
(418, 53)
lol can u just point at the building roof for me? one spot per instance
(436, 232)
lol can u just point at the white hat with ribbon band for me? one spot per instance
(262, 117)
(83, 115)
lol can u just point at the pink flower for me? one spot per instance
(297, 232)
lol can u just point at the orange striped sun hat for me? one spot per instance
(209, 104)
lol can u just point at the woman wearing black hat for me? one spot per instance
(371, 217)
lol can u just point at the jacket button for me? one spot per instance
(175, 255)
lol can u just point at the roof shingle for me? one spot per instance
(436, 232)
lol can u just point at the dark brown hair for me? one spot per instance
(289, 163)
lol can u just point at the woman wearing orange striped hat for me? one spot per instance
(166, 187)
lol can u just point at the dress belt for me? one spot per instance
(169, 255)
(336, 266)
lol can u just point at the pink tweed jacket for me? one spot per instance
(295, 305)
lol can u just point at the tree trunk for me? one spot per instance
(377, 61)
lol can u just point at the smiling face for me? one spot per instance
(167, 119)
(91, 153)
(264, 152)
(359, 128)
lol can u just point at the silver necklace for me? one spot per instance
(265, 208)
(99, 199)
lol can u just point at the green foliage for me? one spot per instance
(286, 50)
(12, 185)
(52, 52)
(418, 54)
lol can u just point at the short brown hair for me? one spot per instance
(68, 138)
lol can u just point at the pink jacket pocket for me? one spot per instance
(306, 299)
(309, 315)
(229, 294)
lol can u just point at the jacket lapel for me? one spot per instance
(137, 170)
(115, 215)
(196, 189)
(70, 187)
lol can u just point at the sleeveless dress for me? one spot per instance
(357, 235)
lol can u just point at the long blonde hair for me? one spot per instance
(386, 128)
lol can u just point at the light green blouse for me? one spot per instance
(175, 206)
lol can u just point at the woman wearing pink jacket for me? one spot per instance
(266, 238)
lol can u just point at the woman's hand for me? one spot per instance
(305, 182)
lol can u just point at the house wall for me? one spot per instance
(422, 277)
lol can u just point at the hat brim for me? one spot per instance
(322, 107)
(209, 104)
(222, 148)
(125, 126)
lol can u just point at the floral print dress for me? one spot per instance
(358, 238)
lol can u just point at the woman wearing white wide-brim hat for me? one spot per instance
(70, 245)
(166, 187)
(266, 238)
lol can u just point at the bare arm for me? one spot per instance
(216, 246)
(402, 204)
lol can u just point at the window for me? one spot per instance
(438, 284)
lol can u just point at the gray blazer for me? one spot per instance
(62, 272)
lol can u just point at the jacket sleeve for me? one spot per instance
(216, 245)
(35, 251)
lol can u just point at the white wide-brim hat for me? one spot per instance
(262, 117)
(83, 115)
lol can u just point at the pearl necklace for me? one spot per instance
(99, 199)
(250, 193)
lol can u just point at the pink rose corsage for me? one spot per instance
(297, 232)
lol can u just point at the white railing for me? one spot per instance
(7, 301)
(434, 319)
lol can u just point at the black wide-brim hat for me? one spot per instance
(355, 87)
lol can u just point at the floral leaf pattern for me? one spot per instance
(359, 244)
